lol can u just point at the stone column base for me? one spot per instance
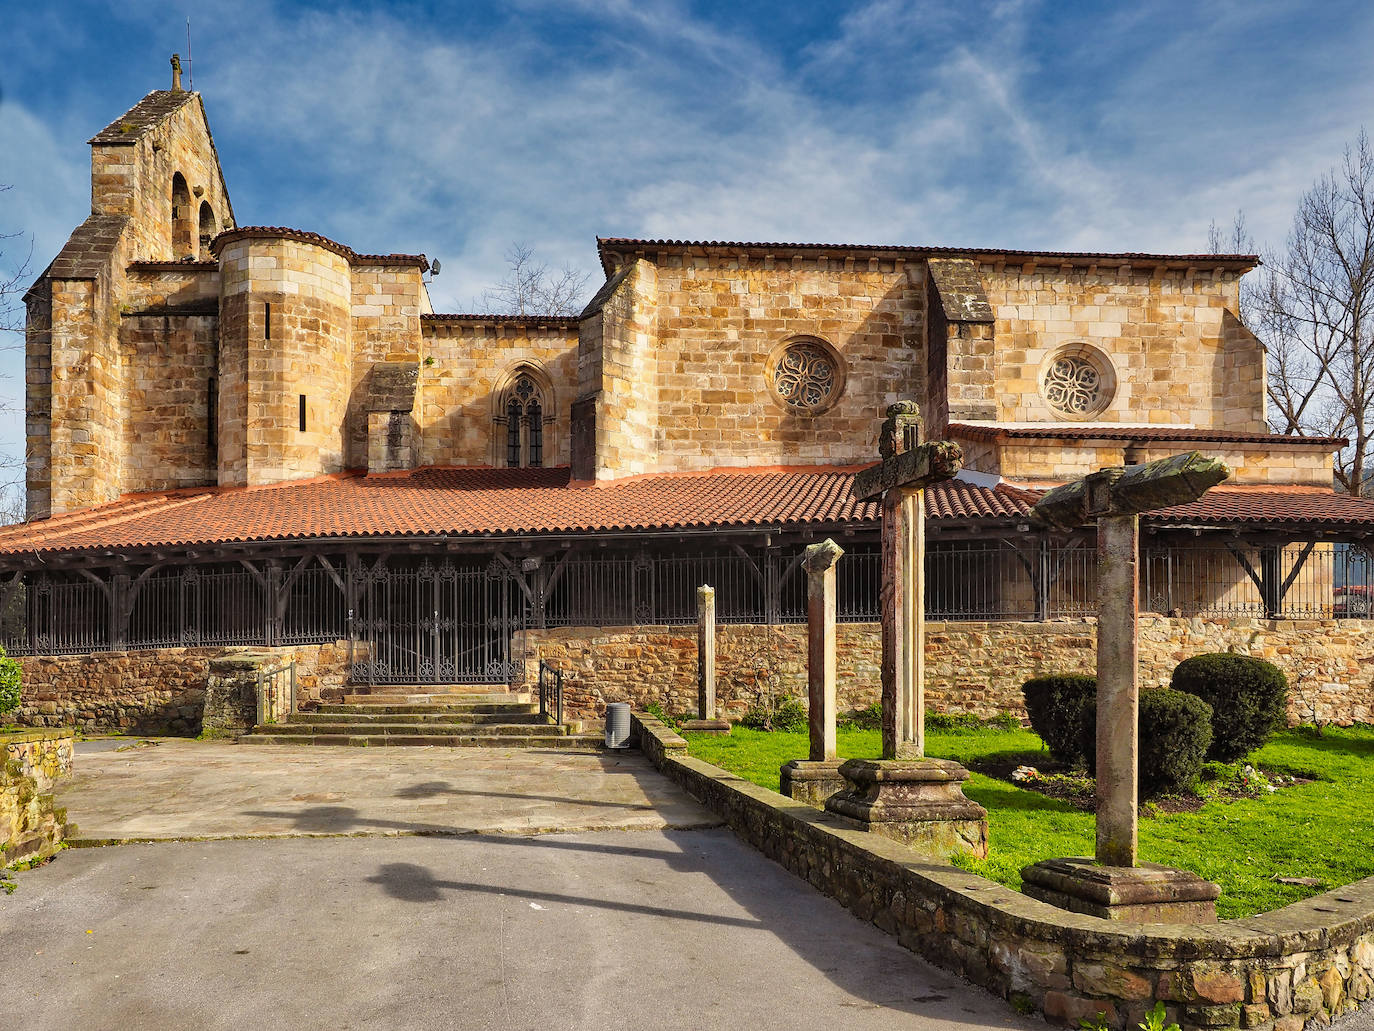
(707, 726)
(812, 781)
(1144, 894)
(919, 802)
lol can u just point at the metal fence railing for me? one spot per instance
(1031, 578)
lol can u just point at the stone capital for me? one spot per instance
(822, 556)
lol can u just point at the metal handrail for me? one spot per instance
(550, 688)
(269, 699)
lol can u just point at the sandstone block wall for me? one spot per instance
(156, 691)
(1056, 461)
(472, 362)
(387, 302)
(267, 366)
(1300, 966)
(135, 178)
(30, 763)
(971, 667)
(1178, 353)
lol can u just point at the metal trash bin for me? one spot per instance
(618, 725)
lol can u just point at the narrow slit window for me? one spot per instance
(267, 324)
(212, 416)
(513, 434)
(536, 428)
(302, 412)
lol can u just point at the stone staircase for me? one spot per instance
(463, 715)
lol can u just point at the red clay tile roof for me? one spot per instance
(1073, 431)
(544, 321)
(1237, 262)
(344, 251)
(510, 502)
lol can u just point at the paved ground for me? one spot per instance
(649, 916)
(178, 789)
(630, 929)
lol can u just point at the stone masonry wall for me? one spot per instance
(631, 416)
(970, 667)
(1172, 340)
(156, 691)
(386, 306)
(30, 763)
(720, 321)
(471, 363)
(1300, 966)
(267, 366)
(1057, 461)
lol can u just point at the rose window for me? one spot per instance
(805, 376)
(1074, 386)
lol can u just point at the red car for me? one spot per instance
(1353, 602)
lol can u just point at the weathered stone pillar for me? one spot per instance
(706, 721)
(1118, 690)
(1116, 885)
(816, 778)
(903, 623)
(905, 796)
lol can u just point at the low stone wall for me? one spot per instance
(30, 825)
(1307, 962)
(156, 691)
(970, 667)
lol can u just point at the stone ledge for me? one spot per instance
(1318, 953)
(51, 734)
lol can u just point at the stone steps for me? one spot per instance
(304, 736)
(401, 715)
(456, 709)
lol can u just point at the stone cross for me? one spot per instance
(908, 466)
(1115, 498)
(820, 647)
(176, 73)
(706, 653)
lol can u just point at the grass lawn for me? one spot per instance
(1322, 829)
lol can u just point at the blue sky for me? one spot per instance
(458, 129)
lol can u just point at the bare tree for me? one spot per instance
(532, 288)
(1313, 305)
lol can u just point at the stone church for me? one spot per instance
(256, 440)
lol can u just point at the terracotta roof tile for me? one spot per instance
(1236, 262)
(510, 502)
(344, 251)
(1099, 431)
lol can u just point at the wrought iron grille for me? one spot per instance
(457, 618)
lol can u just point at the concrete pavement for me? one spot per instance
(177, 789)
(629, 929)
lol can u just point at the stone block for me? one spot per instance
(1147, 893)
(919, 802)
(812, 781)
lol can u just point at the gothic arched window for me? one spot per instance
(523, 415)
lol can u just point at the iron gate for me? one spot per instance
(438, 624)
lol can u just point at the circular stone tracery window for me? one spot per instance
(806, 375)
(1077, 382)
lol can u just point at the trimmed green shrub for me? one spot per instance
(10, 673)
(1248, 696)
(1055, 705)
(788, 715)
(1175, 730)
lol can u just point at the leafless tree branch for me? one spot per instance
(532, 288)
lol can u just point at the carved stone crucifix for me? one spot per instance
(1117, 888)
(907, 468)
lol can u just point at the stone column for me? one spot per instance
(816, 778)
(706, 721)
(1118, 689)
(820, 647)
(903, 623)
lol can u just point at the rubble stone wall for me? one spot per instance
(156, 691)
(970, 667)
(30, 763)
